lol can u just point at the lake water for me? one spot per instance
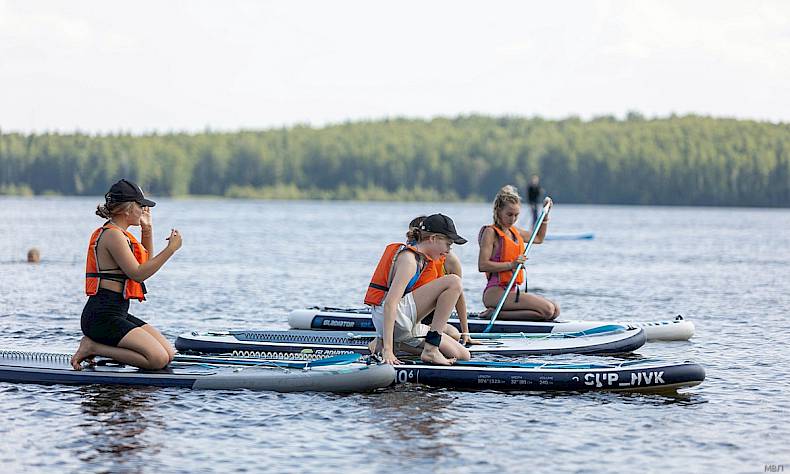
(246, 264)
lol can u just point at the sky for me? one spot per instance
(165, 66)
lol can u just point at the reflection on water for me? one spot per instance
(115, 420)
(411, 424)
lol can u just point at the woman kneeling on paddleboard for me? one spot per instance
(502, 247)
(117, 264)
(446, 265)
(406, 287)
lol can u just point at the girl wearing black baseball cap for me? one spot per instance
(447, 264)
(405, 288)
(117, 264)
(501, 250)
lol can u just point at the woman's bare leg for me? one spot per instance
(529, 307)
(521, 315)
(452, 331)
(137, 348)
(454, 349)
(171, 351)
(439, 296)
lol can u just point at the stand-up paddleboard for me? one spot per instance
(606, 340)
(631, 376)
(579, 236)
(342, 375)
(359, 319)
(627, 376)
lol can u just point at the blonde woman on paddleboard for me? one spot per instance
(502, 246)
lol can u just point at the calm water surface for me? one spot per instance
(246, 264)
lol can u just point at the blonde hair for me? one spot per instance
(507, 195)
(110, 210)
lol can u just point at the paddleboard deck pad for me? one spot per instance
(200, 373)
(359, 319)
(616, 339)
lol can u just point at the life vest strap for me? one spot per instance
(386, 288)
(115, 277)
(108, 276)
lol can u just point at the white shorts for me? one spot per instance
(408, 330)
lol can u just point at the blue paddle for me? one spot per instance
(538, 223)
(593, 331)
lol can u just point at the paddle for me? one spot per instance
(594, 331)
(538, 223)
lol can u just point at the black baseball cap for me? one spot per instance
(127, 191)
(441, 224)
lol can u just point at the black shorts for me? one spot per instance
(106, 318)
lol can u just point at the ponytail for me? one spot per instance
(110, 210)
(414, 234)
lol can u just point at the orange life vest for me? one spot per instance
(382, 276)
(508, 251)
(433, 270)
(131, 289)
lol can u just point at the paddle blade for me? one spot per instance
(605, 329)
(341, 359)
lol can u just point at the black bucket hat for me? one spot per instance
(441, 224)
(127, 191)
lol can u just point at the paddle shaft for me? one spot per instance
(538, 223)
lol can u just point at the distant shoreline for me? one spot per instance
(678, 160)
(392, 200)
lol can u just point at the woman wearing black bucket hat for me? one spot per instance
(117, 264)
(406, 287)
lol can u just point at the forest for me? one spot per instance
(676, 160)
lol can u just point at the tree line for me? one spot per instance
(691, 160)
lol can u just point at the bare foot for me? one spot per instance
(432, 355)
(486, 313)
(84, 352)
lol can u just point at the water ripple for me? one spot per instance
(640, 266)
